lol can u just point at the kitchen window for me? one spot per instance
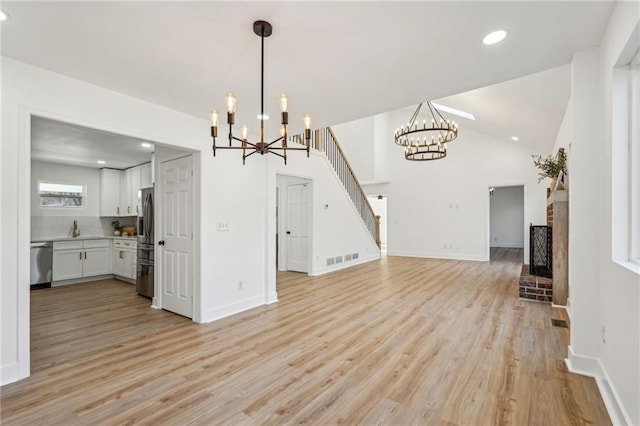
(61, 195)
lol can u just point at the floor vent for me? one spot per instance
(559, 323)
(338, 259)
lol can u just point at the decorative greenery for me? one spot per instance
(116, 224)
(551, 167)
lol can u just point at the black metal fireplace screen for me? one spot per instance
(540, 251)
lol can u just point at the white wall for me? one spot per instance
(507, 217)
(441, 208)
(357, 141)
(604, 294)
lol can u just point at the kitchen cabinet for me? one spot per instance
(110, 192)
(80, 259)
(125, 193)
(119, 190)
(145, 175)
(124, 258)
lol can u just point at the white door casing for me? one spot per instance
(177, 277)
(297, 231)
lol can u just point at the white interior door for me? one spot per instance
(298, 227)
(177, 233)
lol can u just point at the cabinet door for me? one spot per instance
(67, 264)
(134, 188)
(110, 192)
(125, 194)
(96, 261)
(145, 176)
(122, 263)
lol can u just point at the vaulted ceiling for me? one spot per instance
(338, 61)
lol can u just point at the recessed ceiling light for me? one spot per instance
(101, 162)
(515, 138)
(453, 111)
(494, 37)
(3, 16)
(146, 145)
(263, 117)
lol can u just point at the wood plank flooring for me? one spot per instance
(399, 341)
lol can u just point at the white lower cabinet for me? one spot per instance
(124, 258)
(79, 259)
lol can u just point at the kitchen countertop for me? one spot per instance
(83, 237)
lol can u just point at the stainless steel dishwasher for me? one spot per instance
(41, 264)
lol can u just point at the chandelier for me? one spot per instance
(262, 29)
(427, 140)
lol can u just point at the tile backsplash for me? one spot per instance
(45, 227)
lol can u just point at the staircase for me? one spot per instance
(324, 141)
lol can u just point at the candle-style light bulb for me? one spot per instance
(284, 102)
(215, 117)
(307, 121)
(245, 131)
(231, 102)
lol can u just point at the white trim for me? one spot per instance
(233, 308)
(487, 230)
(439, 256)
(9, 373)
(507, 245)
(592, 367)
(341, 266)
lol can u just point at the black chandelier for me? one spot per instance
(427, 140)
(262, 29)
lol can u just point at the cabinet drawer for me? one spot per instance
(95, 243)
(67, 245)
(125, 244)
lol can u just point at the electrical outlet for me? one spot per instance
(603, 331)
(222, 226)
(240, 284)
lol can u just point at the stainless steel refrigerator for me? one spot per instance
(144, 271)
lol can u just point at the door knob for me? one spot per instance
(161, 242)
(288, 232)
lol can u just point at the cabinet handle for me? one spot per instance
(121, 254)
(118, 210)
(85, 255)
(80, 255)
(128, 209)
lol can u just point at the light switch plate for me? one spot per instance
(222, 226)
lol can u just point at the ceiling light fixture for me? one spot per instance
(3, 16)
(262, 29)
(101, 162)
(454, 111)
(494, 37)
(146, 145)
(422, 141)
(515, 138)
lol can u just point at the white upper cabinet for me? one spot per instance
(119, 190)
(145, 175)
(110, 192)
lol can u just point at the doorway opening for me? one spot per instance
(106, 214)
(293, 219)
(379, 205)
(506, 223)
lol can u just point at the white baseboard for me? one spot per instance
(508, 245)
(272, 297)
(343, 265)
(473, 257)
(592, 367)
(9, 373)
(233, 308)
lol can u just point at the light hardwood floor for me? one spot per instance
(398, 341)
